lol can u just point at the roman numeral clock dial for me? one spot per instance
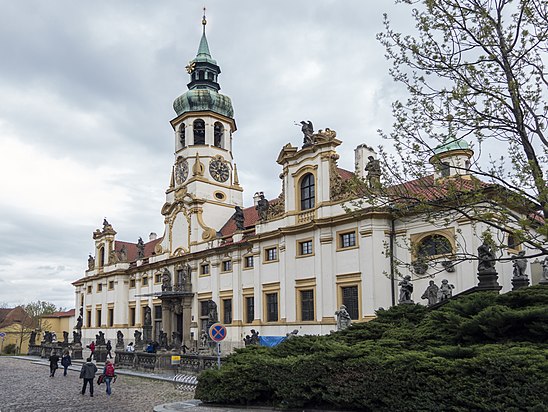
(219, 170)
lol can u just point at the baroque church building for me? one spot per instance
(281, 265)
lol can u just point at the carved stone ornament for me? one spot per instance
(419, 267)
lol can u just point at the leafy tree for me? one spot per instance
(37, 309)
(474, 72)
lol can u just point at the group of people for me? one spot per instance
(87, 372)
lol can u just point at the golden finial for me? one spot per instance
(204, 21)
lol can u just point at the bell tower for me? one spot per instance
(204, 187)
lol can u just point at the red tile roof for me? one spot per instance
(428, 189)
(15, 315)
(63, 314)
(131, 248)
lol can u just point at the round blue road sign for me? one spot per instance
(217, 332)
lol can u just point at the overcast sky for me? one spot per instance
(86, 93)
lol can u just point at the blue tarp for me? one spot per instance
(271, 341)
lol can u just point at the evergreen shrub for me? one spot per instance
(481, 352)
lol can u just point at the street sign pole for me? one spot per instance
(217, 332)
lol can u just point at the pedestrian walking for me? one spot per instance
(91, 347)
(53, 359)
(66, 361)
(108, 372)
(109, 348)
(88, 374)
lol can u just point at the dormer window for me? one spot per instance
(307, 192)
(199, 131)
(218, 131)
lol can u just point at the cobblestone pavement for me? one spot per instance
(27, 387)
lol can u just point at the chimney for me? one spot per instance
(152, 236)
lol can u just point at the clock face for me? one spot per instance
(218, 169)
(181, 172)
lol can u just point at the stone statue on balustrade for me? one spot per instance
(137, 335)
(486, 258)
(238, 218)
(65, 337)
(163, 340)
(520, 265)
(120, 340)
(262, 206)
(343, 318)
(431, 293)
(140, 248)
(76, 338)
(373, 169)
(100, 338)
(166, 281)
(446, 290)
(544, 271)
(406, 290)
(308, 133)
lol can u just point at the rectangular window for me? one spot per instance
(144, 281)
(248, 262)
(88, 318)
(99, 287)
(227, 266)
(204, 314)
(347, 240)
(111, 285)
(305, 248)
(98, 314)
(272, 307)
(89, 289)
(132, 283)
(157, 321)
(158, 278)
(350, 300)
(227, 311)
(307, 305)
(131, 316)
(204, 269)
(271, 254)
(110, 315)
(249, 309)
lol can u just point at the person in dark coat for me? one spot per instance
(66, 361)
(87, 373)
(109, 348)
(53, 359)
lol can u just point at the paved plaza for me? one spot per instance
(26, 386)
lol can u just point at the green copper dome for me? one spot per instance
(203, 89)
(198, 100)
(455, 144)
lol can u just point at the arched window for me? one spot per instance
(201, 75)
(218, 131)
(101, 256)
(307, 192)
(199, 131)
(182, 135)
(434, 245)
